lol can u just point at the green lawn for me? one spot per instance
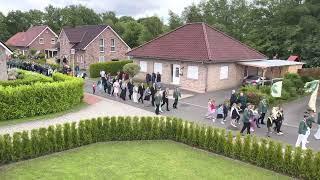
(47, 116)
(135, 160)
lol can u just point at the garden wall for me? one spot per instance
(260, 152)
(311, 72)
(40, 98)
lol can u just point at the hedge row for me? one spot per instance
(111, 67)
(26, 78)
(264, 153)
(40, 98)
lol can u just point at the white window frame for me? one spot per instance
(101, 45)
(224, 72)
(41, 40)
(101, 59)
(193, 72)
(113, 45)
(53, 40)
(143, 66)
(157, 67)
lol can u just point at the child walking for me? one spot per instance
(235, 115)
(211, 110)
(220, 113)
(94, 88)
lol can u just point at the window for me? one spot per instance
(53, 41)
(41, 41)
(113, 45)
(81, 59)
(143, 66)
(101, 45)
(157, 67)
(101, 59)
(224, 72)
(193, 72)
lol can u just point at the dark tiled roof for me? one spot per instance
(81, 36)
(196, 42)
(23, 39)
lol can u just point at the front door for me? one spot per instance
(176, 74)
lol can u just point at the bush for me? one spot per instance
(111, 67)
(132, 69)
(26, 78)
(40, 98)
(264, 153)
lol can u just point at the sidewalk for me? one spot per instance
(98, 107)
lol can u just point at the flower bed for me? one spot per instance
(39, 96)
(264, 153)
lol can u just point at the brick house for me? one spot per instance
(5, 53)
(92, 44)
(199, 58)
(40, 38)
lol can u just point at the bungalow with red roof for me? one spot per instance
(201, 58)
(91, 44)
(5, 53)
(40, 38)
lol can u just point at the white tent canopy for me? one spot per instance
(269, 63)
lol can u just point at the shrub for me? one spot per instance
(229, 145)
(7, 148)
(297, 162)
(238, 147)
(277, 157)
(40, 98)
(26, 145)
(132, 69)
(35, 143)
(255, 151)
(111, 67)
(287, 163)
(307, 164)
(247, 148)
(17, 146)
(43, 141)
(74, 135)
(52, 144)
(26, 78)
(59, 138)
(67, 138)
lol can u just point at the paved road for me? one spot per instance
(100, 107)
(194, 108)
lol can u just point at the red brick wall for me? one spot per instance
(92, 53)
(46, 35)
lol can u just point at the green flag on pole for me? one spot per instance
(312, 87)
(276, 89)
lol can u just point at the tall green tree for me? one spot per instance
(132, 33)
(192, 14)
(152, 27)
(174, 20)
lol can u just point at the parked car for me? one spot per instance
(255, 80)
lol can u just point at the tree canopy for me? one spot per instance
(274, 27)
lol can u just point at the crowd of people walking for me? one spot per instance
(152, 91)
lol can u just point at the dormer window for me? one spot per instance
(41, 41)
(101, 45)
(113, 45)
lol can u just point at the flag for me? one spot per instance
(276, 89)
(312, 87)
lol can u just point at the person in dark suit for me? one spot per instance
(153, 77)
(153, 91)
(130, 88)
(165, 98)
(141, 92)
(158, 78)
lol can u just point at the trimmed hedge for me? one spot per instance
(264, 153)
(111, 67)
(26, 78)
(40, 98)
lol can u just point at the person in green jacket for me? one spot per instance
(309, 121)
(246, 118)
(243, 101)
(303, 128)
(176, 96)
(317, 134)
(263, 109)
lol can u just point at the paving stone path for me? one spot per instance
(98, 107)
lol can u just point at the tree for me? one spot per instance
(132, 69)
(109, 18)
(53, 18)
(16, 21)
(35, 17)
(132, 33)
(192, 14)
(152, 27)
(174, 20)
(4, 35)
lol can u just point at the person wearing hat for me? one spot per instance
(303, 128)
(263, 109)
(317, 134)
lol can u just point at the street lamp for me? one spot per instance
(72, 52)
